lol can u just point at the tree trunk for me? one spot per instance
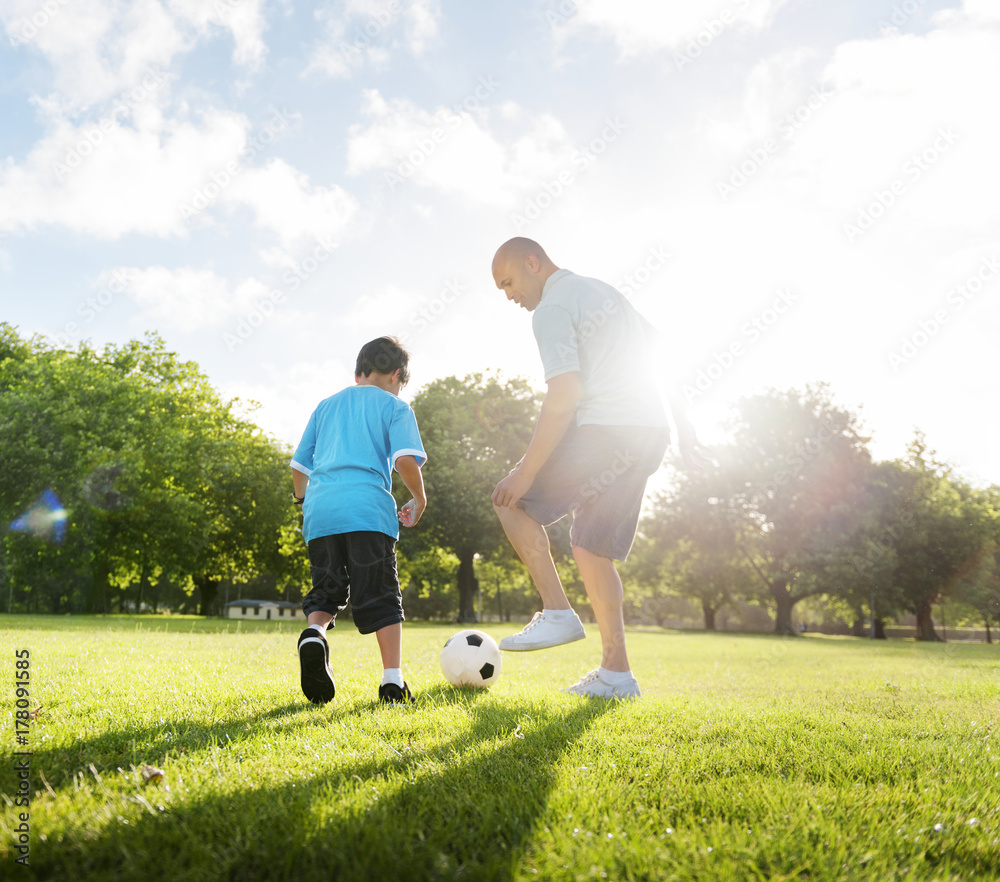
(209, 590)
(709, 613)
(467, 586)
(880, 629)
(925, 624)
(143, 587)
(783, 603)
(986, 620)
(98, 600)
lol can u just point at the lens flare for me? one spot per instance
(46, 518)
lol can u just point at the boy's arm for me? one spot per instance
(300, 480)
(410, 473)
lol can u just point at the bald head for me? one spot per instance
(520, 268)
(519, 248)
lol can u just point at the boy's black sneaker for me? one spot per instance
(314, 667)
(390, 693)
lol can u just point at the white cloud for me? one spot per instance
(907, 112)
(972, 14)
(244, 19)
(360, 32)
(101, 48)
(96, 50)
(453, 151)
(302, 386)
(185, 298)
(641, 26)
(105, 179)
(161, 176)
(283, 201)
(422, 23)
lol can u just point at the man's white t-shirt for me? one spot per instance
(586, 325)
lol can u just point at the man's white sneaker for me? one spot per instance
(593, 685)
(543, 631)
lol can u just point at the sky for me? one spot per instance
(793, 192)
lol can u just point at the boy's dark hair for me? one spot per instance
(384, 355)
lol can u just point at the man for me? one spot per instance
(601, 432)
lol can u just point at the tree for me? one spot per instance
(792, 486)
(688, 544)
(946, 536)
(475, 430)
(161, 478)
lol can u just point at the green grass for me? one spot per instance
(748, 757)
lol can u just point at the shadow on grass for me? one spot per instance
(464, 808)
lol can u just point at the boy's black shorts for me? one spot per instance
(360, 567)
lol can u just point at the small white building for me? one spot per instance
(264, 609)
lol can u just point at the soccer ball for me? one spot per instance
(471, 658)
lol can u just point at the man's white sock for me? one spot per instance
(320, 628)
(393, 675)
(614, 677)
(559, 615)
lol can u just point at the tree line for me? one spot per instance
(171, 493)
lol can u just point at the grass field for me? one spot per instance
(748, 757)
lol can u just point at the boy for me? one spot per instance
(352, 442)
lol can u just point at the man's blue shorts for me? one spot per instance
(598, 475)
(360, 567)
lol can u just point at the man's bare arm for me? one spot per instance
(555, 417)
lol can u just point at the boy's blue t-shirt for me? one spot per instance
(349, 449)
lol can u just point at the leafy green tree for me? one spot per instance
(792, 486)
(162, 480)
(474, 430)
(688, 544)
(947, 535)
